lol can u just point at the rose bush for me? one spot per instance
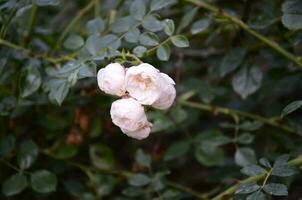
(77, 76)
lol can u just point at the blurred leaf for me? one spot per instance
(139, 180)
(245, 156)
(200, 25)
(169, 27)
(28, 154)
(32, 81)
(148, 39)
(132, 35)
(247, 81)
(214, 157)
(14, 184)
(65, 151)
(43, 181)
(250, 125)
(177, 150)
(163, 52)
(151, 23)
(133, 191)
(47, 2)
(180, 41)
(264, 162)
(232, 60)
(159, 4)
(291, 108)
(247, 188)
(276, 189)
(292, 14)
(73, 42)
(87, 70)
(123, 24)
(95, 26)
(186, 19)
(139, 51)
(138, 9)
(143, 158)
(101, 156)
(256, 196)
(7, 144)
(253, 170)
(283, 170)
(245, 138)
(96, 45)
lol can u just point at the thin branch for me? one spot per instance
(297, 162)
(68, 28)
(241, 24)
(228, 111)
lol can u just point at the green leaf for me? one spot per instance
(28, 154)
(87, 70)
(247, 81)
(47, 2)
(133, 191)
(168, 26)
(293, 106)
(180, 41)
(186, 19)
(143, 158)
(95, 26)
(245, 138)
(132, 35)
(148, 39)
(163, 52)
(177, 150)
(284, 170)
(247, 188)
(73, 42)
(7, 144)
(32, 81)
(159, 4)
(232, 60)
(200, 25)
(123, 24)
(14, 185)
(58, 90)
(264, 162)
(101, 156)
(251, 125)
(292, 14)
(151, 23)
(276, 189)
(253, 170)
(256, 196)
(139, 51)
(138, 9)
(43, 181)
(211, 158)
(139, 180)
(245, 156)
(96, 45)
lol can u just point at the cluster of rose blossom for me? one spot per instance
(138, 85)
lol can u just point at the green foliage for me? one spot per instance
(236, 65)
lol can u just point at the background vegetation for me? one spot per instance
(232, 133)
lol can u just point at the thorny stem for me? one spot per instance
(232, 112)
(241, 24)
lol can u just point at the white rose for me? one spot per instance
(144, 83)
(168, 94)
(111, 79)
(130, 116)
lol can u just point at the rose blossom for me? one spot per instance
(168, 94)
(111, 79)
(130, 116)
